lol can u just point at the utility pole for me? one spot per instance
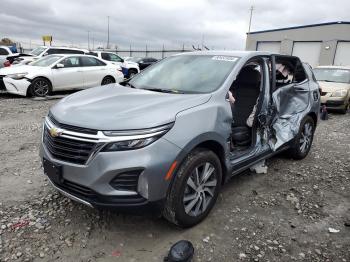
(250, 19)
(89, 40)
(93, 41)
(107, 32)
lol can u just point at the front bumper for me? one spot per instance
(336, 103)
(18, 87)
(90, 184)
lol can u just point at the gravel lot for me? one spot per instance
(284, 215)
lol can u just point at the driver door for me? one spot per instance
(70, 76)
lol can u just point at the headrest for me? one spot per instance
(248, 75)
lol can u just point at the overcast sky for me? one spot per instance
(220, 23)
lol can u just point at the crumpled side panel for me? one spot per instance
(289, 106)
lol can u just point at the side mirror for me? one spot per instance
(122, 60)
(45, 54)
(59, 65)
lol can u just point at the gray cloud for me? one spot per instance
(221, 23)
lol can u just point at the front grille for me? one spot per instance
(68, 150)
(2, 85)
(72, 128)
(126, 181)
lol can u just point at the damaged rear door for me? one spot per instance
(290, 93)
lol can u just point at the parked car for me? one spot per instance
(335, 86)
(5, 52)
(58, 73)
(129, 68)
(143, 62)
(42, 51)
(170, 138)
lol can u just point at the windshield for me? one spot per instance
(47, 60)
(332, 75)
(37, 51)
(186, 74)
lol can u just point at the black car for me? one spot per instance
(143, 61)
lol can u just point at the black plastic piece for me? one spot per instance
(181, 251)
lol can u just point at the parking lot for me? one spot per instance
(299, 210)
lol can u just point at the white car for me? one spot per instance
(129, 68)
(58, 73)
(42, 51)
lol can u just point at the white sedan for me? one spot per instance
(59, 73)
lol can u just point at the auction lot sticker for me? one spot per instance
(225, 58)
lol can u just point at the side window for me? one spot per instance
(110, 57)
(299, 74)
(3, 51)
(91, 61)
(71, 62)
(51, 51)
(92, 53)
(70, 51)
(289, 70)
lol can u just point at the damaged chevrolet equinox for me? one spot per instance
(172, 135)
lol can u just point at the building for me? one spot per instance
(317, 44)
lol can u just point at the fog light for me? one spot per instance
(142, 187)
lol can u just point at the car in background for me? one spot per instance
(143, 62)
(335, 85)
(59, 73)
(42, 51)
(5, 52)
(129, 68)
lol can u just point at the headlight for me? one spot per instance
(339, 93)
(135, 139)
(17, 76)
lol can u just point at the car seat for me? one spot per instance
(246, 90)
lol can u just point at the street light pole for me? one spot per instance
(107, 32)
(88, 39)
(250, 19)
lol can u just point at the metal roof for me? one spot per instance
(298, 27)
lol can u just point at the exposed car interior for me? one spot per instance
(246, 90)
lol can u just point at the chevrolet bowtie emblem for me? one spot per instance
(55, 132)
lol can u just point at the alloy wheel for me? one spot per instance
(200, 189)
(41, 88)
(306, 137)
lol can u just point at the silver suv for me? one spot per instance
(172, 135)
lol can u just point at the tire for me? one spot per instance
(189, 212)
(303, 141)
(131, 73)
(345, 110)
(107, 80)
(40, 87)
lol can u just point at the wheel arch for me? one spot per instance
(28, 93)
(206, 141)
(313, 115)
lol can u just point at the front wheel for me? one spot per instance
(195, 189)
(40, 87)
(303, 141)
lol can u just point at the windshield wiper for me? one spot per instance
(171, 91)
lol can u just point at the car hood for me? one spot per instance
(116, 107)
(19, 69)
(333, 86)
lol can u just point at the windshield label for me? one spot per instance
(225, 58)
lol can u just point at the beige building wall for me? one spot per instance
(329, 35)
